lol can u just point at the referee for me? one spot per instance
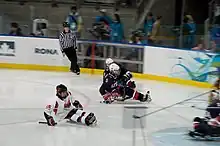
(68, 46)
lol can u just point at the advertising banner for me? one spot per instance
(183, 64)
(28, 50)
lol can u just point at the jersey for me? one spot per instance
(61, 107)
(214, 109)
(109, 83)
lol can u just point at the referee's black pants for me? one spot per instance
(71, 54)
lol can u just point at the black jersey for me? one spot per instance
(214, 109)
(109, 83)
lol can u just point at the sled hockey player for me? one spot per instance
(67, 108)
(216, 90)
(125, 76)
(112, 91)
(210, 125)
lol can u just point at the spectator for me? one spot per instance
(154, 38)
(213, 47)
(189, 29)
(15, 30)
(200, 46)
(148, 24)
(104, 18)
(117, 31)
(215, 35)
(75, 21)
(135, 38)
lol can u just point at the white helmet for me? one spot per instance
(114, 69)
(215, 95)
(108, 61)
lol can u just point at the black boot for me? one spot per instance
(145, 98)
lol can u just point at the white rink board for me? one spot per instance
(166, 62)
(28, 50)
(183, 64)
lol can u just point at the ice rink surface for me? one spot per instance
(24, 94)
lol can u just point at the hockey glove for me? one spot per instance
(51, 122)
(131, 84)
(126, 77)
(77, 105)
(108, 99)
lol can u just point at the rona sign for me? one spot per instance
(46, 51)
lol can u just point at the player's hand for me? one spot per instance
(51, 122)
(131, 84)
(78, 105)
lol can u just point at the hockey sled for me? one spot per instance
(125, 102)
(202, 137)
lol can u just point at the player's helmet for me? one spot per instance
(108, 61)
(215, 95)
(61, 88)
(114, 69)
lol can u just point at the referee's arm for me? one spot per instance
(61, 40)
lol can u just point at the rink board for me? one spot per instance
(44, 54)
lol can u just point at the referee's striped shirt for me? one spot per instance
(67, 40)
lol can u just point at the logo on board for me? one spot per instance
(7, 48)
(46, 51)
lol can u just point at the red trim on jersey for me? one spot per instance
(68, 104)
(56, 108)
(136, 95)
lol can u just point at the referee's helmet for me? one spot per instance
(66, 24)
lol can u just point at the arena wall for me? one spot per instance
(162, 64)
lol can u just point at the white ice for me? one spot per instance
(24, 94)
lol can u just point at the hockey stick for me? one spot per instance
(42, 122)
(59, 122)
(167, 107)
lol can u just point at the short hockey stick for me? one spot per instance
(42, 122)
(62, 121)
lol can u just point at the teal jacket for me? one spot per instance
(117, 32)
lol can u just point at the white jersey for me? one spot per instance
(61, 107)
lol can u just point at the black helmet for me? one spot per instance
(66, 24)
(61, 88)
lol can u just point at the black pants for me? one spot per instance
(71, 54)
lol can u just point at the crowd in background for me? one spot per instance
(109, 27)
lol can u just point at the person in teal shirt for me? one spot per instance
(116, 30)
(75, 21)
(189, 29)
(104, 17)
(148, 24)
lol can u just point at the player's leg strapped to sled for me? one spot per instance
(75, 115)
(122, 93)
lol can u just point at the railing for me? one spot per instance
(92, 54)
